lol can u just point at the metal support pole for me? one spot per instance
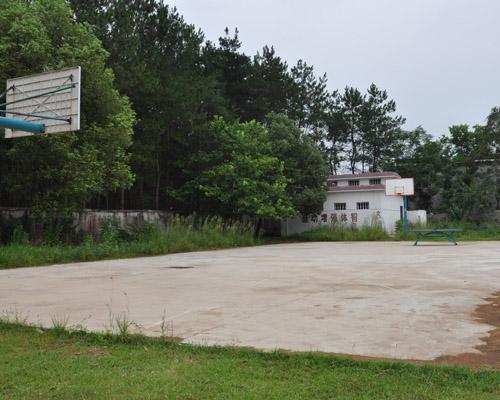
(21, 125)
(406, 219)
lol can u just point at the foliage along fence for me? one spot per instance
(83, 223)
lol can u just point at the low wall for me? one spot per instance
(88, 222)
(417, 216)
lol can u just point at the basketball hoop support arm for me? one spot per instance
(405, 201)
(21, 125)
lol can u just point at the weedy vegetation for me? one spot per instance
(180, 235)
(470, 231)
(186, 234)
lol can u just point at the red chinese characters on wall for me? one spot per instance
(354, 217)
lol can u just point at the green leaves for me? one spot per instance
(62, 172)
(234, 173)
(303, 164)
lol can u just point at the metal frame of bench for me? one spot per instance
(434, 233)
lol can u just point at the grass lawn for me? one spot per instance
(59, 364)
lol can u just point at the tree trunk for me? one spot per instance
(157, 191)
(257, 227)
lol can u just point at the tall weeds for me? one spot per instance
(336, 232)
(181, 234)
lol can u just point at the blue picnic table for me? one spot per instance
(434, 233)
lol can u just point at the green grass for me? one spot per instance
(51, 364)
(336, 234)
(471, 232)
(373, 231)
(182, 235)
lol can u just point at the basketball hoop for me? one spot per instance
(399, 187)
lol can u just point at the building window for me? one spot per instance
(363, 206)
(334, 183)
(339, 206)
(375, 181)
(353, 183)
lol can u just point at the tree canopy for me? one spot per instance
(233, 172)
(215, 131)
(63, 171)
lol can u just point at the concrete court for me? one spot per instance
(380, 299)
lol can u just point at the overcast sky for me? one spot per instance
(438, 59)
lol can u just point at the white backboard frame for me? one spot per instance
(399, 187)
(60, 104)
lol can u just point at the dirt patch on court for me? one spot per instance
(489, 352)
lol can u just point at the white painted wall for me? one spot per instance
(415, 216)
(383, 209)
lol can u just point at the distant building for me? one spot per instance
(355, 199)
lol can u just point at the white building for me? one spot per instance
(355, 199)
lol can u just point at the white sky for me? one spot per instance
(438, 59)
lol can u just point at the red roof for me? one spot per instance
(355, 188)
(365, 175)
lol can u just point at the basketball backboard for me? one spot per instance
(51, 99)
(399, 187)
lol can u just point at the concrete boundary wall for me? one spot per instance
(88, 222)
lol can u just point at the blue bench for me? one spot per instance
(434, 233)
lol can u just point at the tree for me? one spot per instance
(470, 199)
(348, 123)
(380, 130)
(158, 62)
(491, 145)
(234, 173)
(304, 164)
(475, 188)
(63, 172)
(270, 85)
(336, 136)
(309, 101)
(424, 159)
(231, 70)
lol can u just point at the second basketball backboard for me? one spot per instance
(399, 187)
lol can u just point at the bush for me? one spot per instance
(19, 236)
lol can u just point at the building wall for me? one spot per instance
(417, 216)
(385, 210)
